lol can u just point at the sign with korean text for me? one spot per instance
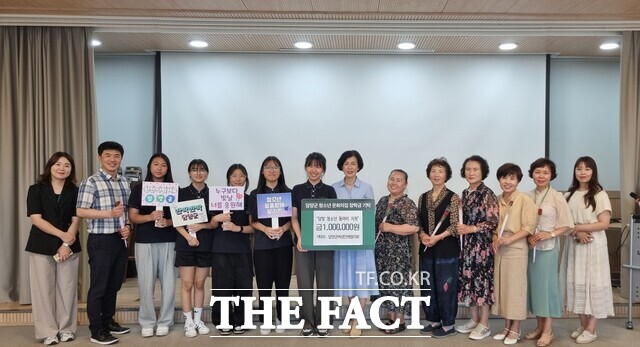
(274, 205)
(189, 212)
(332, 224)
(223, 198)
(159, 193)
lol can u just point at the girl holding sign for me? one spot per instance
(231, 265)
(553, 219)
(154, 251)
(193, 252)
(273, 252)
(517, 221)
(480, 218)
(437, 217)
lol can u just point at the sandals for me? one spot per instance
(545, 340)
(400, 328)
(533, 335)
(501, 336)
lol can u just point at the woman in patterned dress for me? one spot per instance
(554, 219)
(396, 222)
(480, 213)
(586, 257)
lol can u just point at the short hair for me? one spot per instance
(168, 177)
(198, 162)
(110, 145)
(542, 162)
(45, 176)
(442, 161)
(509, 169)
(406, 176)
(318, 158)
(348, 154)
(240, 167)
(484, 166)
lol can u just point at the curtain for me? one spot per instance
(47, 104)
(629, 137)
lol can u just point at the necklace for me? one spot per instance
(543, 197)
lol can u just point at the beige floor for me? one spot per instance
(611, 333)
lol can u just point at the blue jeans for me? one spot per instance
(442, 286)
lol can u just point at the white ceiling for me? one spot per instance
(558, 27)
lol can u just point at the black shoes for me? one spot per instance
(117, 329)
(103, 337)
(428, 329)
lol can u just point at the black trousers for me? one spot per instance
(232, 275)
(273, 266)
(107, 262)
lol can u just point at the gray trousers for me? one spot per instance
(156, 260)
(312, 265)
(54, 294)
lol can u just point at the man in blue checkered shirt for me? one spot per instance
(101, 200)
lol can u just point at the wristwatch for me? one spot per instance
(65, 244)
(553, 234)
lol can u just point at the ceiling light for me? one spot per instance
(609, 45)
(406, 45)
(95, 43)
(303, 44)
(507, 46)
(198, 44)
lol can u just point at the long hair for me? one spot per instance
(45, 176)
(240, 167)
(168, 177)
(594, 186)
(262, 182)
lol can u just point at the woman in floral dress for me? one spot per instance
(396, 222)
(480, 213)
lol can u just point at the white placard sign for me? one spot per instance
(222, 198)
(337, 228)
(189, 212)
(159, 193)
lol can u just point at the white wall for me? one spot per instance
(399, 111)
(585, 118)
(124, 92)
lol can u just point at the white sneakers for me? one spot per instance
(190, 330)
(586, 337)
(576, 333)
(279, 330)
(466, 327)
(480, 332)
(202, 328)
(162, 330)
(66, 336)
(147, 332)
(51, 340)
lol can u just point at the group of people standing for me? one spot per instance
(505, 260)
(496, 254)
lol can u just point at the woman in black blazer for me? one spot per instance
(54, 250)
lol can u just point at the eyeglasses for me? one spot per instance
(272, 168)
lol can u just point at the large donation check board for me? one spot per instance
(331, 224)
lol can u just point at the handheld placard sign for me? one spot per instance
(189, 212)
(159, 194)
(274, 206)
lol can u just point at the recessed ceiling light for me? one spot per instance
(507, 46)
(303, 44)
(406, 45)
(198, 44)
(609, 45)
(95, 43)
